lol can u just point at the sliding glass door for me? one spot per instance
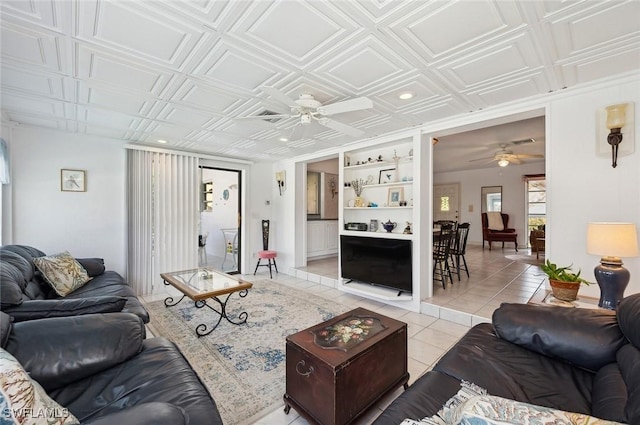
(220, 220)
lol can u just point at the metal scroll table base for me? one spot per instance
(201, 329)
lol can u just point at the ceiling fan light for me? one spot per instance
(503, 162)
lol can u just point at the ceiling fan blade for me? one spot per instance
(279, 96)
(492, 158)
(356, 104)
(514, 160)
(528, 155)
(523, 141)
(264, 117)
(343, 128)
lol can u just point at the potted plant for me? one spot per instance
(564, 282)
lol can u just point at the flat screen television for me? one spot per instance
(378, 261)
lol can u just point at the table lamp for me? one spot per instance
(612, 241)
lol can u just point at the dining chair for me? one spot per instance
(459, 248)
(441, 256)
(266, 253)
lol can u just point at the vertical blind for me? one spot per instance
(162, 208)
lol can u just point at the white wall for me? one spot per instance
(513, 196)
(584, 187)
(87, 224)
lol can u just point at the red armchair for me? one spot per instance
(504, 235)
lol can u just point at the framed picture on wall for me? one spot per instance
(396, 195)
(386, 176)
(73, 180)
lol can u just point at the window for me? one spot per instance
(444, 203)
(536, 202)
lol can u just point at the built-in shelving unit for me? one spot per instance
(387, 171)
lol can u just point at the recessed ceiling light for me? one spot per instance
(406, 95)
(162, 141)
(283, 139)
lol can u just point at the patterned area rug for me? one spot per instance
(243, 366)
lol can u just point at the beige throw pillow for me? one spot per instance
(494, 221)
(23, 401)
(62, 272)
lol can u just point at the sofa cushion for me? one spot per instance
(588, 338)
(159, 373)
(423, 398)
(153, 413)
(512, 371)
(5, 328)
(629, 363)
(609, 396)
(12, 284)
(628, 312)
(62, 272)
(110, 283)
(93, 266)
(59, 357)
(19, 395)
(42, 309)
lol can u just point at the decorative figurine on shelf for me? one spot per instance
(396, 159)
(407, 230)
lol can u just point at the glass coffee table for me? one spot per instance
(203, 284)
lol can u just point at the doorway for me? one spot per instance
(220, 219)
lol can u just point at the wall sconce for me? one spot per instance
(616, 124)
(280, 181)
(612, 241)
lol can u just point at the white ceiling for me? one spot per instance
(182, 70)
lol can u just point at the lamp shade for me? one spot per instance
(612, 239)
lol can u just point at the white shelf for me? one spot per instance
(384, 184)
(378, 208)
(377, 164)
(378, 234)
(375, 291)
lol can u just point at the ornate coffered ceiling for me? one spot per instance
(182, 71)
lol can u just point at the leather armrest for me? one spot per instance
(153, 413)
(588, 338)
(61, 350)
(93, 266)
(42, 309)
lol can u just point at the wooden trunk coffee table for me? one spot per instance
(204, 284)
(337, 369)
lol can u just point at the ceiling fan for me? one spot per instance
(307, 110)
(505, 157)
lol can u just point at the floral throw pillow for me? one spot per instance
(62, 272)
(23, 401)
(472, 405)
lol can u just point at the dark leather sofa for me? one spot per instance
(103, 370)
(577, 360)
(26, 295)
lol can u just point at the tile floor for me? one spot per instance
(493, 279)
